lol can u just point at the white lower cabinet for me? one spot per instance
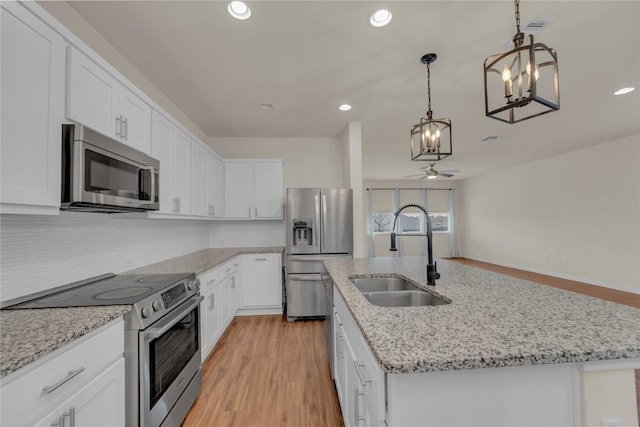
(99, 404)
(220, 289)
(80, 384)
(360, 381)
(261, 283)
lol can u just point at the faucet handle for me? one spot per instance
(393, 243)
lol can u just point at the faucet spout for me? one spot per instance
(432, 273)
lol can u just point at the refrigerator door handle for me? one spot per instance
(305, 277)
(317, 221)
(324, 215)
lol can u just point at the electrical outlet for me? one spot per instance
(611, 422)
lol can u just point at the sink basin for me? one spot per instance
(402, 299)
(383, 284)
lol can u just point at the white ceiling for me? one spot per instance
(307, 57)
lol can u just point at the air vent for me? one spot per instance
(533, 27)
(491, 138)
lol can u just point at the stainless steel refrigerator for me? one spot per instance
(319, 224)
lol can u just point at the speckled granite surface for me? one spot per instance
(201, 261)
(493, 320)
(27, 335)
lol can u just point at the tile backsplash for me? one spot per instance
(42, 252)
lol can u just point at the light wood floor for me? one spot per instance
(268, 372)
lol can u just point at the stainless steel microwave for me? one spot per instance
(100, 174)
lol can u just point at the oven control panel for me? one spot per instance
(174, 295)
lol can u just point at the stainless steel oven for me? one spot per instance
(169, 375)
(162, 338)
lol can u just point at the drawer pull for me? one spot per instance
(66, 379)
(361, 377)
(261, 259)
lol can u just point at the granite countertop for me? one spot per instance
(493, 320)
(201, 261)
(29, 334)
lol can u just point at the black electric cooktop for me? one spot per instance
(123, 289)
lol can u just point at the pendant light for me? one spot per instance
(522, 83)
(430, 138)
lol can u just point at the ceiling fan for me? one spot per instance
(431, 173)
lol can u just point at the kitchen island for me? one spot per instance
(538, 340)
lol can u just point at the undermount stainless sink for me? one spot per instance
(402, 299)
(394, 292)
(383, 284)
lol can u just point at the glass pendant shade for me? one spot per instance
(431, 139)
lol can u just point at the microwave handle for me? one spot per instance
(152, 172)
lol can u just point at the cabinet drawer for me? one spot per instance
(38, 389)
(216, 275)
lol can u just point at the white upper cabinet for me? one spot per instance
(206, 182)
(32, 81)
(215, 186)
(172, 147)
(199, 195)
(254, 189)
(97, 100)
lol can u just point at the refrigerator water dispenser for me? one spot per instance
(302, 232)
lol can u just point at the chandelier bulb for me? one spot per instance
(437, 133)
(506, 73)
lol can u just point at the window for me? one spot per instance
(409, 222)
(382, 222)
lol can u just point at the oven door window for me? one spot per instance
(109, 176)
(170, 353)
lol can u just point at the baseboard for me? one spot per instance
(253, 311)
(562, 276)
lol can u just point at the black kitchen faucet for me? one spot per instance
(432, 273)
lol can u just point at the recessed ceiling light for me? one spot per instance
(624, 90)
(266, 106)
(344, 107)
(380, 18)
(239, 10)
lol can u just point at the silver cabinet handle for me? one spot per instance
(256, 212)
(361, 377)
(179, 209)
(60, 421)
(119, 126)
(213, 210)
(125, 133)
(175, 204)
(356, 410)
(69, 377)
(72, 416)
(249, 211)
(261, 259)
(212, 303)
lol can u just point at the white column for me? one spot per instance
(352, 178)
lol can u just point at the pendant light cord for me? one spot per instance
(517, 2)
(429, 113)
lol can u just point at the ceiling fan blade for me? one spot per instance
(418, 174)
(446, 175)
(424, 177)
(450, 171)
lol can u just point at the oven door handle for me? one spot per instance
(165, 325)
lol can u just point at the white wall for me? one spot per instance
(352, 171)
(308, 162)
(575, 215)
(229, 234)
(42, 252)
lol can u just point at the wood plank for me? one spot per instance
(266, 371)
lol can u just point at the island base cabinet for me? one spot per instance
(541, 395)
(359, 379)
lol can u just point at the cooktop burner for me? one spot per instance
(126, 289)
